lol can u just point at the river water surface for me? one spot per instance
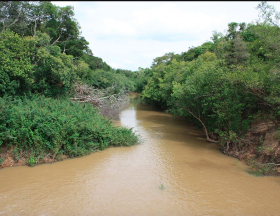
(174, 171)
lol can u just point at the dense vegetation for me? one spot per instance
(42, 126)
(43, 58)
(224, 85)
(42, 52)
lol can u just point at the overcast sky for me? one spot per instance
(129, 35)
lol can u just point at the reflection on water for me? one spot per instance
(197, 178)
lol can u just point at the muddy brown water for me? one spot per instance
(174, 171)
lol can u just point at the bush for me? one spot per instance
(15, 65)
(49, 126)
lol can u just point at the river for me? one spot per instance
(173, 171)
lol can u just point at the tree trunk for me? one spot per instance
(204, 127)
(35, 27)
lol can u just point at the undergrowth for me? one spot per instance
(46, 126)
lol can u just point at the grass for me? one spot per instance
(255, 173)
(258, 169)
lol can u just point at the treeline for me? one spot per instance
(42, 52)
(224, 84)
(42, 58)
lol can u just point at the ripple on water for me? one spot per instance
(197, 178)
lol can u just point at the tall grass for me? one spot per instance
(42, 126)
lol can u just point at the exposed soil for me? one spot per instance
(260, 148)
(8, 158)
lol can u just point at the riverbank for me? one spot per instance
(259, 148)
(40, 130)
(10, 159)
(172, 172)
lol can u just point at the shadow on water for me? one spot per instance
(135, 100)
(166, 119)
(164, 125)
(172, 127)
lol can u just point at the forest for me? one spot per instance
(44, 62)
(228, 87)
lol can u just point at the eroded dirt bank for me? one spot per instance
(260, 148)
(10, 158)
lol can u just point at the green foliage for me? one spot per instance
(194, 52)
(95, 62)
(103, 79)
(162, 187)
(13, 14)
(42, 53)
(204, 90)
(15, 65)
(47, 55)
(31, 161)
(210, 96)
(141, 78)
(277, 135)
(53, 74)
(259, 169)
(165, 59)
(222, 85)
(43, 125)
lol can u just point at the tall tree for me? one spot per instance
(12, 12)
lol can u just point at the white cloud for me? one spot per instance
(164, 22)
(117, 27)
(152, 54)
(114, 64)
(169, 18)
(129, 62)
(129, 35)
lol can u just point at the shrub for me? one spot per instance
(50, 126)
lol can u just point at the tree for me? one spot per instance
(76, 47)
(232, 30)
(142, 77)
(16, 74)
(195, 95)
(165, 59)
(12, 12)
(268, 13)
(239, 52)
(38, 15)
(194, 52)
(61, 25)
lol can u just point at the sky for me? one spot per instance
(129, 35)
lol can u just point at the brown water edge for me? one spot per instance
(197, 178)
(8, 158)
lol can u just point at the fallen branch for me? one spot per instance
(108, 103)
